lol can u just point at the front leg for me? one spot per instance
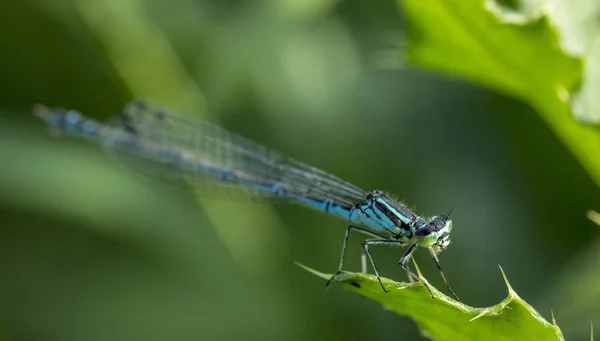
(437, 263)
(404, 264)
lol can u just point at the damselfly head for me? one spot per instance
(435, 233)
(443, 233)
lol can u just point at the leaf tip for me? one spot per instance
(483, 313)
(591, 331)
(553, 319)
(313, 271)
(511, 292)
(417, 268)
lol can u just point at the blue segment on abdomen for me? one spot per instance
(364, 215)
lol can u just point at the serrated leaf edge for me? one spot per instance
(489, 311)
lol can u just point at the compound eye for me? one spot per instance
(425, 231)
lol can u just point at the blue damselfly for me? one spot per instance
(194, 152)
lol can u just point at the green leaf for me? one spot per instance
(443, 318)
(519, 50)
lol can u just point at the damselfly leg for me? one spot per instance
(381, 240)
(346, 235)
(437, 263)
(404, 264)
(368, 242)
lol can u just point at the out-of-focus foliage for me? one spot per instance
(517, 50)
(510, 320)
(90, 251)
(579, 27)
(578, 291)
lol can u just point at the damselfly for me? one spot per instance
(196, 152)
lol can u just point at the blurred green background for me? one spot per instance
(92, 251)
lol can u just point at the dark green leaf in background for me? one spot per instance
(517, 51)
